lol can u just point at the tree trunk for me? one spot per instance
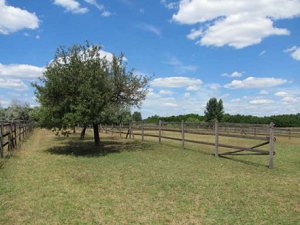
(82, 134)
(74, 130)
(96, 134)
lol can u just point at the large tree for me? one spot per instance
(80, 85)
(214, 110)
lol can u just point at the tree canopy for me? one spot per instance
(214, 110)
(82, 86)
(137, 116)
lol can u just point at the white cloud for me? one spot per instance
(191, 84)
(261, 101)
(22, 71)
(289, 97)
(169, 5)
(294, 51)
(281, 94)
(170, 104)
(15, 84)
(236, 23)
(150, 28)
(262, 53)
(214, 86)
(71, 6)
(13, 19)
(237, 100)
(100, 7)
(166, 92)
(255, 82)
(180, 66)
(194, 34)
(233, 74)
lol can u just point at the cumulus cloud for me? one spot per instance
(191, 84)
(22, 71)
(255, 82)
(294, 51)
(71, 6)
(13, 19)
(235, 23)
(15, 84)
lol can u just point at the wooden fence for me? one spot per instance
(215, 130)
(12, 134)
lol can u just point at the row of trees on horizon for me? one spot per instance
(23, 111)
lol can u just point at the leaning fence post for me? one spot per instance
(272, 146)
(182, 133)
(159, 131)
(216, 138)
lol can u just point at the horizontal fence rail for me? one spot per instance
(12, 134)
(215, 131)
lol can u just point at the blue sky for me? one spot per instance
(245, 52)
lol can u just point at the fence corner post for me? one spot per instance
(182, 133)
(216, 138)
(272, 146)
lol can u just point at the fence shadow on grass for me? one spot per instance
(86, 148)
(247, 162)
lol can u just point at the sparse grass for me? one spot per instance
(55, 180)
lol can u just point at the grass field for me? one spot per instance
(55, 180)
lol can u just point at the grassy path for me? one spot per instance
(53, 181)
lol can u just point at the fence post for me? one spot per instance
(290, 134)
(159, 131)
(182, 133)
(15, 133)
(120, 130)
(216, 138)
(20, 132)
(143, 131)
(10, 143)
(272, 147)
(1, 141)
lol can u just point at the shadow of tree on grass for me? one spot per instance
(87, 148)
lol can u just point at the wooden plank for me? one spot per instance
(243, 136)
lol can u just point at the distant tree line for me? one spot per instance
(292, 120)
(17, 111)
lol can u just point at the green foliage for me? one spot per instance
(214, 110)
(81, 86)
(16, 111)
(179, 118)
(137, 116)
